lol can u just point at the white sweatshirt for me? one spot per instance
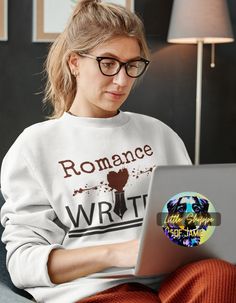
(76, 182)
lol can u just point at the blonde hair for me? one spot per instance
(91, 24)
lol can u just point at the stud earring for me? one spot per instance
(74, 73)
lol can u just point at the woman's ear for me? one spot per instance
(73, 63)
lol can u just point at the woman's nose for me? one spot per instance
(121, 78)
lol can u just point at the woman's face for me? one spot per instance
(99, 95)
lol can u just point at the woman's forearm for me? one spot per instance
(65, 265)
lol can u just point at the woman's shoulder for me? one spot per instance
(41, 127)
(154, 127)
(32, 134)
(149, 121)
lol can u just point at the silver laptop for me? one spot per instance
(206, 196)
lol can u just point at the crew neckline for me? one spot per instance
(118, 120)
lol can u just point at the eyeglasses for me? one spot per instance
(111, 66)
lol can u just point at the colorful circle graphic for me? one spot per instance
(188, 219)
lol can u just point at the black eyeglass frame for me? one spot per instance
(121, 64)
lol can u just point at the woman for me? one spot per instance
(74, 185)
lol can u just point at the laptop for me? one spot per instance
(204, 196)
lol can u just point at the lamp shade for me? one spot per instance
(200, 20)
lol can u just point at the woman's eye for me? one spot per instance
(133, 66)
(108, 63)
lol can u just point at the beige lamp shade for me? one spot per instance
(200, 20)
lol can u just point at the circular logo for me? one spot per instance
(188, 219)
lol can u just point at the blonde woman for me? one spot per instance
(75, 186)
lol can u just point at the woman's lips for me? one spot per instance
(115, 95)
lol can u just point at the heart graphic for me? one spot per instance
(118, 180)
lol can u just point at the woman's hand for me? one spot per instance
(124, 254)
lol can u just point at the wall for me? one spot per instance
(167, 91)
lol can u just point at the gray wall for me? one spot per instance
(167, 91)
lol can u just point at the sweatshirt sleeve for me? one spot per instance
(31, 229)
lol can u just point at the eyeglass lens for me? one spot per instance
(111, 66)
